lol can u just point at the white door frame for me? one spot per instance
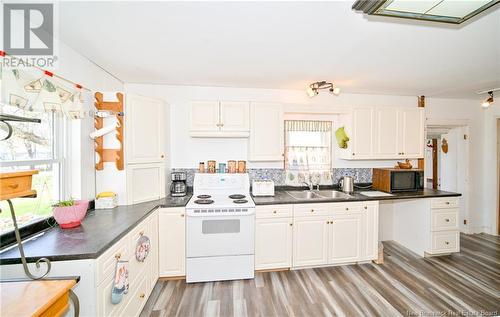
(450, 124)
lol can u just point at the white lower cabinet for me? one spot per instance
(273, 243)
(345, 238)
(340, 233)
(142, 275)
(172, 242)
(310, 241)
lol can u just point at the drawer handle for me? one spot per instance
(346, 208)
(142, 295)
(312, 210)
(274, 211)
(446, 242)
(366, 207)
(118, 256)
(14, 186)
(141, 233)
(182, 215)
(447, 202)
(447, 220)
(291, 224)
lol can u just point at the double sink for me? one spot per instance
(318, 194)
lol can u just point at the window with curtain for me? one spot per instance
(308, 152)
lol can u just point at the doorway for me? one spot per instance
(447, 163)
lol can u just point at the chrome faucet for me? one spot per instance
(310, 185)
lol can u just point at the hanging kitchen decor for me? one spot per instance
(120, 282)
(342, 138)
(13, 93)
(444, 146)
(142, 248)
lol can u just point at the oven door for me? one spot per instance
(219, 235)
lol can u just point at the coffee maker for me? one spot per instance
(178, 186)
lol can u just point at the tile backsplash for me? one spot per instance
(361, 175)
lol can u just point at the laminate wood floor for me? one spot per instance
(462, 284)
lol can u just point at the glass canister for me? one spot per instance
(211, 166)
(242, 166)
(232, 167)
(222, 167)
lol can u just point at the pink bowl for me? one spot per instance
(71, 216)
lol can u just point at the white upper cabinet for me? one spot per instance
(384, 133)
(362, 135)
(266, 132)
(386, 138)
(220, 119)
(234, 116)
(412, 132)
(205, 116)
(144, 129)
(145, 182)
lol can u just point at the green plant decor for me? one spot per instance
(65, 203)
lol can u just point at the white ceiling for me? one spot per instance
(284, 45)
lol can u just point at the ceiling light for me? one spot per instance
(447, 11)
(314, 88)
(488, 101)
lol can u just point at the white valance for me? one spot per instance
(308, 125)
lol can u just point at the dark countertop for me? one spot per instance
(99, 230)
(282, 197)
(102, 228)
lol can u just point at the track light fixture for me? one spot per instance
(488, 101)
(314, 88)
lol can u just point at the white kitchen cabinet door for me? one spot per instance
(412, 132)
(144, 129)
(369, 230)
(362, 133)
(205, 116)
(345, 239)
(234, 116)
(145, 182)
(386, 133)
(172, 242)
(266, 132)
(273, 243)
(310, 241)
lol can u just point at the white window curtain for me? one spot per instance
(308, 152)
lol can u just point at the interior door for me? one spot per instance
(145, 129)
(448, 163)
(345, 243)
(234, 116)
(310, 241)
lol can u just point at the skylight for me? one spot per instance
(448, 11)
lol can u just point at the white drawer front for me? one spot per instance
(445, 202)
(139, 296)
(445, 242)
(345, 208)
(307, 210)
(274, 211)
(444, 219)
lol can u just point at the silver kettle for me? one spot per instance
(346, 184)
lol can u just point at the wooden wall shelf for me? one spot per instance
(16, 185)
(109, 155)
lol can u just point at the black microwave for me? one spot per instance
(393, 180)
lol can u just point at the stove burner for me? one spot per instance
(203, 196)
(240, 201)
(237, 196)
(203, 201)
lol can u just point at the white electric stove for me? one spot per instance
(220, 228)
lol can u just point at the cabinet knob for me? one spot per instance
(366, 207)
(447, 202)
(274, 211)
(182, 215)
(447, 220)
(118, 256)
(402, 153)
(162, 156)
(328, 222)
(353, 153)
(346, 208)
(446, 242)
(142, 295)
(141, 233)
(14, 186)
(291, 224)
(312, 210)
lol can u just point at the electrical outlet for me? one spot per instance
(465, 221)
